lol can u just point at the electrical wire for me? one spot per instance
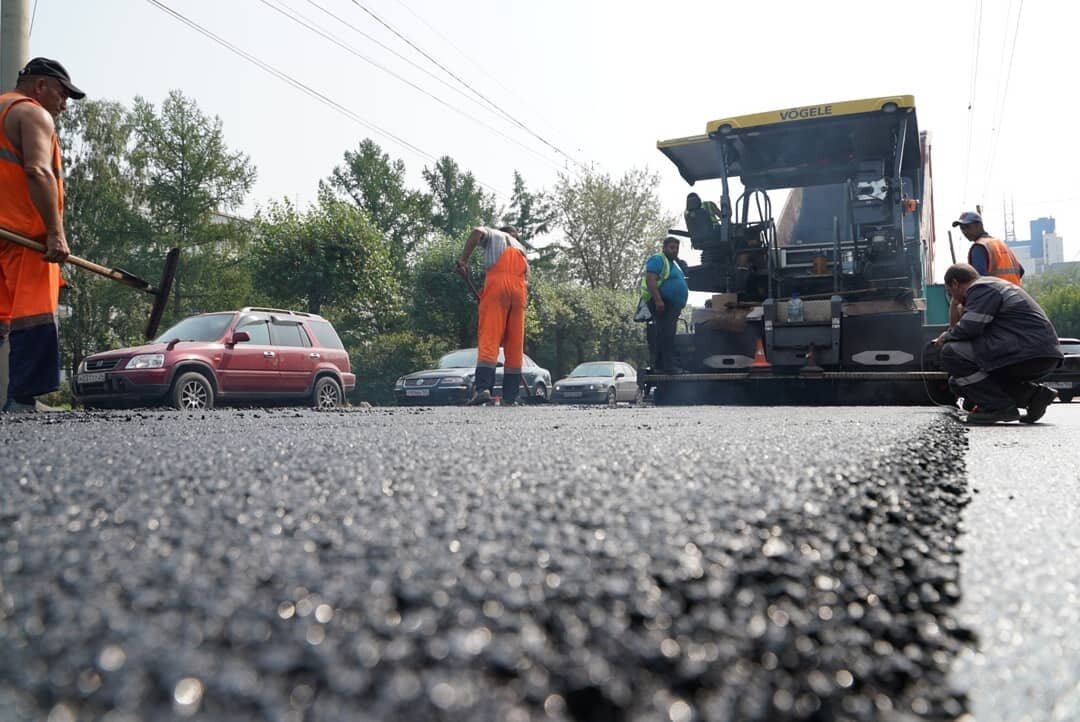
(479, 66)
(478, 94)
(304, 88)
(996, 133)
(971, 94)
(305, 23)
(33, 16)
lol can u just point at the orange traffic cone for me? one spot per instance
(760, 362)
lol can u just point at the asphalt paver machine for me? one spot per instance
(854, 243)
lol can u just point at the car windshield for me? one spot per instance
(593, 370)
(463, 359)
(209, 327)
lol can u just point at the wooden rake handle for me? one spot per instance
(115, 274)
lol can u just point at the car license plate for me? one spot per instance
(97, 378)
(417, 392)
(572, 394)
(1059, 384)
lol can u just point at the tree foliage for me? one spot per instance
(326, 259)
(610, 226)
(1058, 292)
(189, 180)
(458, 201)
(532, 213)
(102, 224)
(376, 185)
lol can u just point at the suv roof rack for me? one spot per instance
(260, 309)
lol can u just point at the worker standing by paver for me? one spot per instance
(664, 286)
(502, 310)
(988, 255)
(32, 205)
(1002, 344)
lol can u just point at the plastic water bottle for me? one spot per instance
(795, 312)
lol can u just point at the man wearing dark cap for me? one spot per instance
(502, 310)
(32, 205)
(988, 255)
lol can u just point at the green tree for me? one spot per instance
(443, 306)
(610, 226)
(458, 201)
(1058, 292)
(532, 213)
(189, 181)
(377, 186)
(328, 260)
(103, 225)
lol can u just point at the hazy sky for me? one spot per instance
(601, 81)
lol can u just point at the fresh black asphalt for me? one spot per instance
(531, 563)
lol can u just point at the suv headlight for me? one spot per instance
(454, 381)
(146, 361)
(400, 383)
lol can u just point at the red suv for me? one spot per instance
(250, 355)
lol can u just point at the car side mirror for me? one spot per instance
(241, 337)
(620, 375)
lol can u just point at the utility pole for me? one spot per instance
(14, 40)
(14, 52)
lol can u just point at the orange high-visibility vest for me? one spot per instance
(17, 212)
(32, 285)
(1002, 262)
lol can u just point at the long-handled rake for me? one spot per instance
(160, 293)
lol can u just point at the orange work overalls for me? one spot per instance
(502, 318)
(29, 285)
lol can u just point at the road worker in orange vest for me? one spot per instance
(32, 205)
(988, 255)
(502, 310)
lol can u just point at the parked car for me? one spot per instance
(597, 382)
(1066, 379)
(252, 355)
(451, 381)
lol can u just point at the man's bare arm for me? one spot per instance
(36, 131)
(470, 246)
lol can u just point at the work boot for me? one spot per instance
(14, 407)
(481, 397)
(980, 418)
(1036, 407)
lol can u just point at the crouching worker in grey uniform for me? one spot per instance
(997, 350)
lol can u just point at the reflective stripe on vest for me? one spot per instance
(643, 286)
(1001, 261)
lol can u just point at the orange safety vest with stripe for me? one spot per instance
(1002, 262)
(17, 211)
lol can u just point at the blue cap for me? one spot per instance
(966, 218)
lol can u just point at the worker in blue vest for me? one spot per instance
(664, 285)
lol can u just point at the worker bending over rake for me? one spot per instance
(502, 310)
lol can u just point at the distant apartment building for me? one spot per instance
(1044, 249)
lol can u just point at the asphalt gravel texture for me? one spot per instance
(528, 563)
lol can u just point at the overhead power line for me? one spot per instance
(465, 83)
(1000, 117)
(479, 66)
(303, 87)
(309, 25)
(971, 94)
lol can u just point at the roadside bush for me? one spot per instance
(379, 362)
